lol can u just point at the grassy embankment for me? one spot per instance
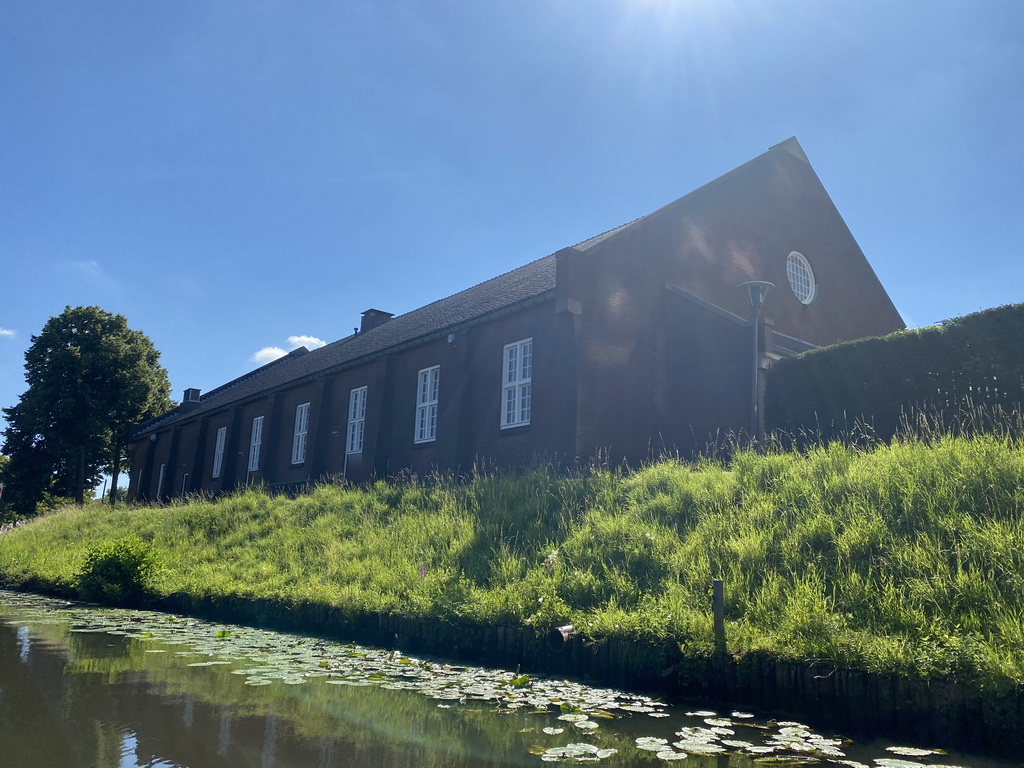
(904, 558)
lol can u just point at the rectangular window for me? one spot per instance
(218, 451)
(356, 420)
(516, 393)
(426, 404)
(301, 430)
(160, 482)
(254, 443)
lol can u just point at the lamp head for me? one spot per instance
(757, 291)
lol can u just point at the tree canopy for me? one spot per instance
(91, 380)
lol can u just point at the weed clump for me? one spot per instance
(118, 571)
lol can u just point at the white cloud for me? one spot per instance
(309, 342)
(268, 355)
(7, 333)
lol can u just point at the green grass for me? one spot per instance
(907, 557)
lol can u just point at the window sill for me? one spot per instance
(518, 425)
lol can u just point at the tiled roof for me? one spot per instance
(487, 298)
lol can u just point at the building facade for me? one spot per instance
(632, 344)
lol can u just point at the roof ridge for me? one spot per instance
(592, 241)
(459, 293)
(790, 145)
(297, 352)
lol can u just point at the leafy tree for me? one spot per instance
(91, 380)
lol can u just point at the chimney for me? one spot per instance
(190, 400)
(372, 318)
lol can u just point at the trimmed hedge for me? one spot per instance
(965, 373)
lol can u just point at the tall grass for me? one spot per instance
(905, 557)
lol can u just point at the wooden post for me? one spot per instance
(718, 612)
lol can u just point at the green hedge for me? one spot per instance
(967, 372)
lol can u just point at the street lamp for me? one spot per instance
(757, 290)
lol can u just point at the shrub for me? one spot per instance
(117, 571)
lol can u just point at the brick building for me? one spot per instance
(636, 342)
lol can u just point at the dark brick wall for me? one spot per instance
(204, 479)
(469, 404)
(357, 467)
(236, 461)
(279, 435)
(743, 226)
(469, 432)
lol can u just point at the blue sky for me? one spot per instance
(234, 176)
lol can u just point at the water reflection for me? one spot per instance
(24, 646)
(152, 690)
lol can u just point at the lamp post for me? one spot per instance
(757, 291)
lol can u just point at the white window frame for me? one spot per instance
(160, 482)
(428, 386)
(255, 440)
(300, 434)
(517, 384)
(801, 278)
(218, 452)
(356, 420)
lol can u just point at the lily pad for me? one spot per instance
(669, 754)
(913, 751)
(699, 747)
(575, 752)
(651, 743)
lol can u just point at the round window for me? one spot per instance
(801, 278)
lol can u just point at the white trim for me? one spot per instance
(356, 420)
(218, 452)
(160, 482)
(301, 431)
(428, 385)
(517, 384)
(255, 440)
(801, 278)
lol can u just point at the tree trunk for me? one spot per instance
(115, 470)
(80, 479)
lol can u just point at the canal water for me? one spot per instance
(106, 688)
